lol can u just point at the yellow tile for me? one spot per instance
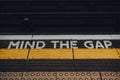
(118, 51)
(13, 53)
(50, 54)
(60, 54)
(95, 54)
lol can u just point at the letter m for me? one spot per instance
(13, 44)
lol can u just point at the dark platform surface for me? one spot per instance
(60, 65)
(60, 16)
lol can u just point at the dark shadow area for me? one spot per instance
(60, 16)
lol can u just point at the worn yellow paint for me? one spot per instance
(50, 54)
(95, 54)
(13, 53)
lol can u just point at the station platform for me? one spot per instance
(59, 40)
(60, 53)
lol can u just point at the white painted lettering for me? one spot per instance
(21, 45)
(55, 43)
(14, 44)
(73, 44)
(29, 45)
(89, 44)
(99, 45)
(66, 44)
(40, 44)
(107, 44)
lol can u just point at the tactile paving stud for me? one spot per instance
(110, 75)
(39, 75)
(94, 75)
(11, 75)
(72, 76)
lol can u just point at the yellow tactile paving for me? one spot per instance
(95, 54)
(13, 53)
(50, 54)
